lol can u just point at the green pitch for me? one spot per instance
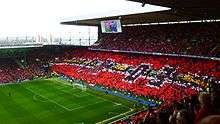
(53, 102)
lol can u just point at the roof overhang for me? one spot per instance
(181, 10)
(153, 17)
(182, 3)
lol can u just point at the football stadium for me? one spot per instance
(160, 67)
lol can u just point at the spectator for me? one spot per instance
(205, 107)
(212, 119)
(183, 117)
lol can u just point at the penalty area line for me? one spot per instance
(68, 109)
(104, 121)
(52, 101)
(87, 105)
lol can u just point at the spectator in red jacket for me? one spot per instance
(205, 107)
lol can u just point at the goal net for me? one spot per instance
(78, 85)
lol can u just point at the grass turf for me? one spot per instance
(50, 101)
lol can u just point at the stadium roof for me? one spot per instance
(181, 10)
(183, 3)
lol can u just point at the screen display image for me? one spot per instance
(111, 26)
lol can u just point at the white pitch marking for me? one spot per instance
(49, 100)
(101, 122)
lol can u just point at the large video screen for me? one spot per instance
(111, 26)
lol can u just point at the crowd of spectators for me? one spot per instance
(78, 65)
(201, 39)
(201, 109)
(153, 84)
(175, 81)
(181, 64)
(12, 70)
(24, 64)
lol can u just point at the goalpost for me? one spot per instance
(78, 85)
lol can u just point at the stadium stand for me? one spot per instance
(140, 74)
(199, 39)
(17, 66)
(11, 72)
(171, 82)
(186, 77)
(119, 63)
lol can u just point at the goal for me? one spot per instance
(78, 85)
